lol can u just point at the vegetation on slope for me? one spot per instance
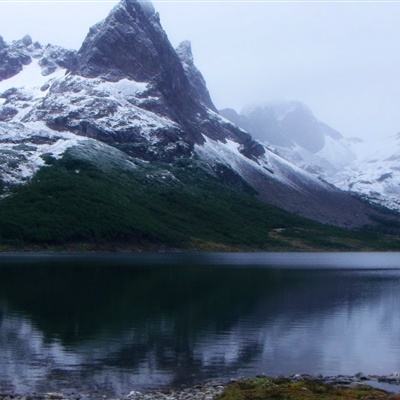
(75, 202)
(285, 389)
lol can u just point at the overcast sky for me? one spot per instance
(342, 59)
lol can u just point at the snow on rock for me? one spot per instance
(376, 176)
(336, 152)
(20, 53)
(23, 145)
(102, 109)
(20, 93)
(270, 164)
(30, 78)
(23, 148)
(124, 88)
(335, 155)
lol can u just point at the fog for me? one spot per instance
(342, 59)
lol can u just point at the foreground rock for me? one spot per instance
(200, 392)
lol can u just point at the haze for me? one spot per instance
(342, 59)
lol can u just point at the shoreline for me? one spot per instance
(383, 385)
(327, 261)
(196, 250)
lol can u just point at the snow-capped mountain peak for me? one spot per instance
(128, 89)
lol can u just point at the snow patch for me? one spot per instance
(124, 87)
(376, 176)
(30, 79)
(22, 148)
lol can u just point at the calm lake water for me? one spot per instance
(121, 323)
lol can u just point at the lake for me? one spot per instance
(116, 323)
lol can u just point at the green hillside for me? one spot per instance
(74, 203)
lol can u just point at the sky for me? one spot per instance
(342, 59)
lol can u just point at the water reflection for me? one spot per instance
(117, 328)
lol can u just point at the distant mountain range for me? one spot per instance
(120, 142)
(296, 134)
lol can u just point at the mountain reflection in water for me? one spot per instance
(88, 325)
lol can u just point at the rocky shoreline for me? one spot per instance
(389, 384)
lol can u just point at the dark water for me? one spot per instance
(119, 323)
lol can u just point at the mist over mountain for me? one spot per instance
(296, 134)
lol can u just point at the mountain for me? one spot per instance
(376, 176)
(120, 142)
(295, 133)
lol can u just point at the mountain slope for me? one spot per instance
(128, 103)
(92, 198)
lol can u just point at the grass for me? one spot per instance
(75, 203)
(285, 389)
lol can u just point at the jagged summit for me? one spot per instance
(147, 7)
(27, 40)
(130, 43)
(184, 51)
(196, 79)
(126, 43)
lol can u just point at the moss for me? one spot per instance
(285, 389)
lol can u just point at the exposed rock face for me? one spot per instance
(112, 112)
(184, 51)
(130, 43)
(56, 57)
(2, 43)
(7, 113)
(12, 58)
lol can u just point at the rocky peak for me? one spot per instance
(2, 43)
(196, 79)
(13, 57)
(184, 51)
(54, 57)
(130, 43)
(147, 7)
(26, 40)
